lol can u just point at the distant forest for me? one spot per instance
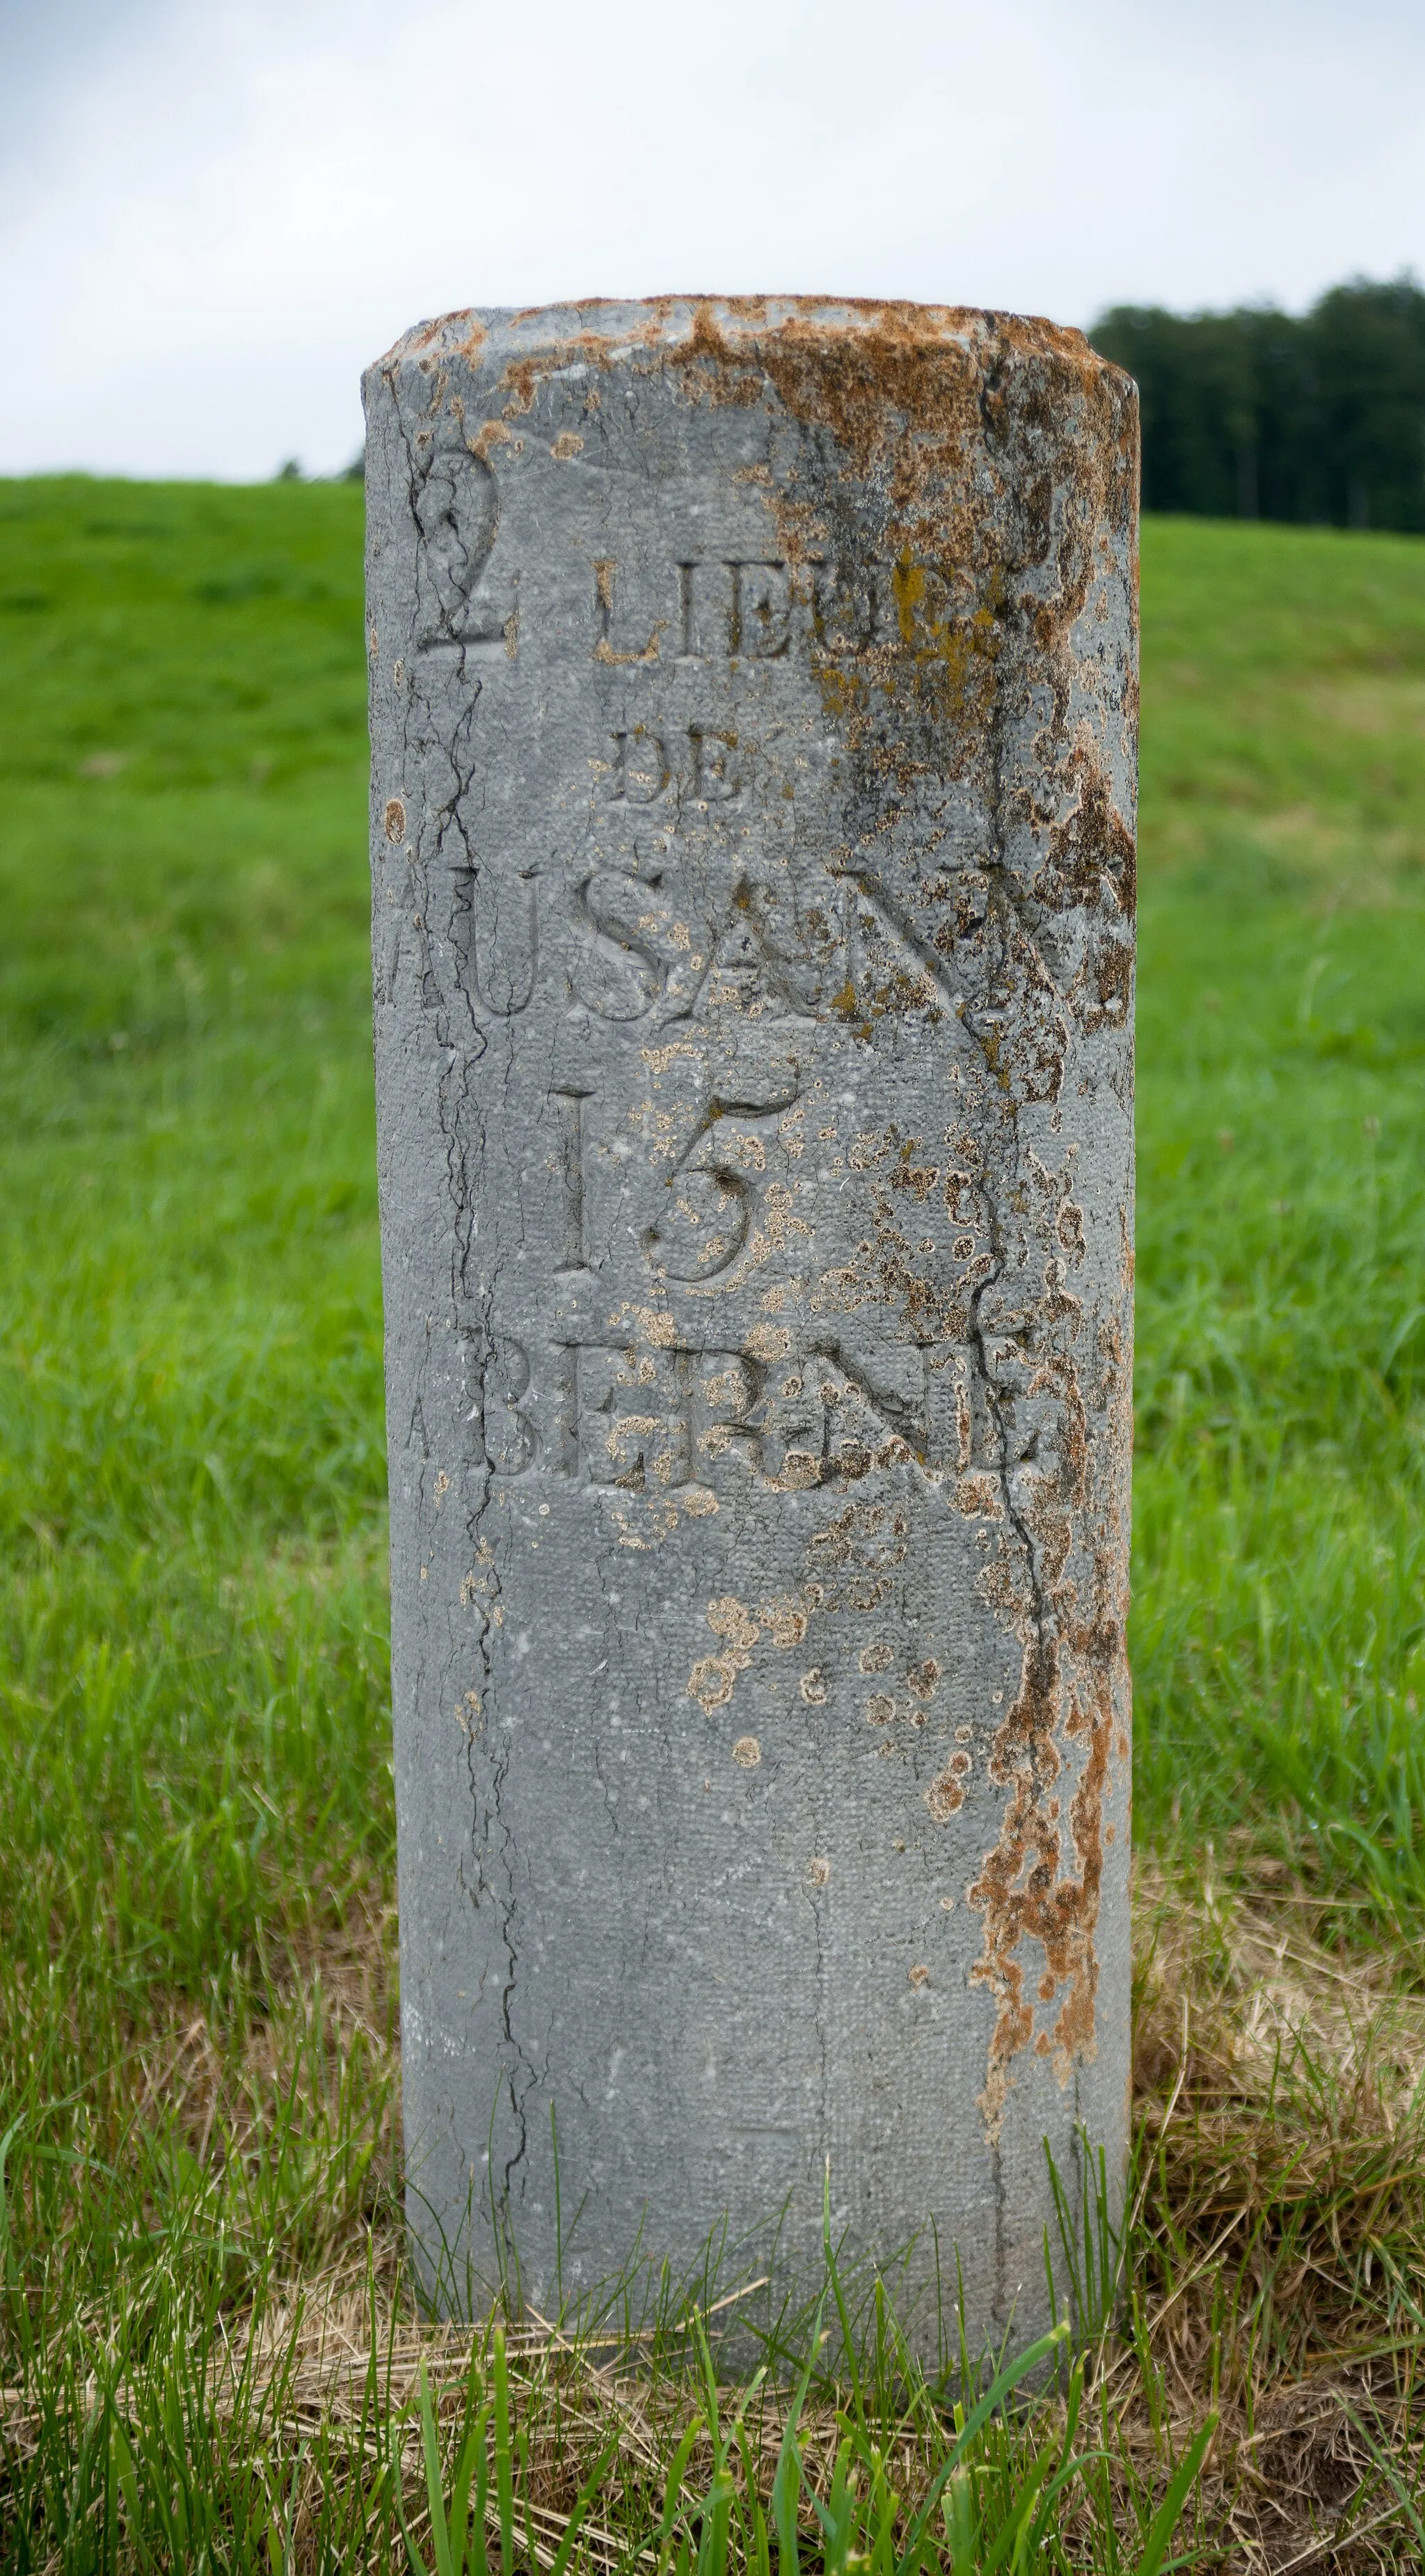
(1263, 415)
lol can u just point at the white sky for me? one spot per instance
(214, 212)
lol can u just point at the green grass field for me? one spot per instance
(197, 2040)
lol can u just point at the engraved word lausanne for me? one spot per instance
(646, 954)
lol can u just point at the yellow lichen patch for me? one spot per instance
(785, 1621)
(656, 1327)
(658, 1059)
(714, 1678)
(729, 1617)
(944, 1797)
(781, 1224)
(801, 1469)
(768, 1342)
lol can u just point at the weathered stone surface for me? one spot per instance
(753, 706)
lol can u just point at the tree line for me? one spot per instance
(1265, 415)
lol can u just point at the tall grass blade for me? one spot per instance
(1152, 2556)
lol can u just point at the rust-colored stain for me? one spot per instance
(1028, 1886)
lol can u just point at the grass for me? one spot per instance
(1279, 1635)
(209, 2353)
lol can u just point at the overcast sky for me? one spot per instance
(214, 212)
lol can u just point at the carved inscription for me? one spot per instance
(605, 648)
(777, 1412)
(638, 947)
(736, 606)
(499, 914)
(642, 952)
(639, 777)
(711, 1187)
(789, 1414)
(759, 612)
(570, 1106)
(656, 1420)
(457, 507)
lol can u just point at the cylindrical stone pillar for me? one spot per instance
(753, 709)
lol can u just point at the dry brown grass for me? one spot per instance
(1278, 2260)
(1275, 2270)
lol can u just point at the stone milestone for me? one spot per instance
(753, 691)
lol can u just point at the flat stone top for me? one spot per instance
(724, 326)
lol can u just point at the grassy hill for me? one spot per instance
(1279, 1629)
(196, 2033)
